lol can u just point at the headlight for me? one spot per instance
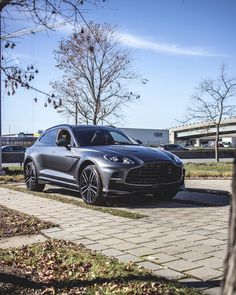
(177, 160)
(118, 159)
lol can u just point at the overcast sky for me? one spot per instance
(174, 44)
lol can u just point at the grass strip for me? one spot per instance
(62, 267)
(204, 170)
(111, 211)
(14, 223)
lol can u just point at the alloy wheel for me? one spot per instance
(90, 185)
(30, 174)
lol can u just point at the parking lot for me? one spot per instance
(184, 239)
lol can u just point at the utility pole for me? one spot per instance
(2, 172)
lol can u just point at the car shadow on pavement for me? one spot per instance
(183, 199)
(202, 284)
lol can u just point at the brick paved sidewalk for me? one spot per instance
(210, 184)
(175, 240)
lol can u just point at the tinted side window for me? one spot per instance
(119, 138)
(49, 138)
(7, 149)
(18, 149)
(65, 134)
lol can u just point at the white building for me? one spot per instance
(152, 137)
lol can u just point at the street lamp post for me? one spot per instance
(1, 170)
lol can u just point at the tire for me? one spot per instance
(31, 178)
(168, 195)
(90, 185)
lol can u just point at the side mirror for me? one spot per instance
(139, 141)
(62, 142)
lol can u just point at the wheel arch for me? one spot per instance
(30, 159)
(84, 165)
(27, 160)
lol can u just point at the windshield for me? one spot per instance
(95, 136)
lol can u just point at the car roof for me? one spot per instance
(81, 126)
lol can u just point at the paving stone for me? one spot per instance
(212, 262)
(213, 242)
(57, 234)
(212, 291)
(204, 273)
(153, 234)
(84, 241)
(155, 244)
(112, 252)
(169, 238)
(193, 256)
(205, 249)
(111, 241)
(51, 230)
(174, 250)
(129, 258)
(112, 231)
(19, 241)
(182, 265)
(138, 240)
(126, 246)
(97, 247)
(169, 274)
(142, 251)
(220, 254)
(137, 230)
(71, 237)
(125, 235)
(161, 258)
(195, 237)
(97, 237)
(150, 265)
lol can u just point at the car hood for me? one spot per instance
(135, 152)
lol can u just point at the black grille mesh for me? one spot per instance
(155, 173)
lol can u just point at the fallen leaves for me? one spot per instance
(14, 223)
(65, 268)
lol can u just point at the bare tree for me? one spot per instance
(95, 70)
(44, 13)
(211, 103)
(37, 12)
(229, 279)
(70, 104)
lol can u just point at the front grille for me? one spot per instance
(155, 173)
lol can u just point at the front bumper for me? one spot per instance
(114, 182)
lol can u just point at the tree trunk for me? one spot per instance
(76, 114)
(217, 143)
(229, 279)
